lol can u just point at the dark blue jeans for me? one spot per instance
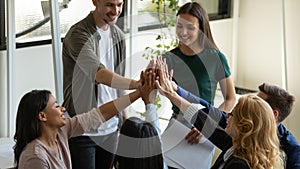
(95, 152)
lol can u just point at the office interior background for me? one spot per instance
(260, 38)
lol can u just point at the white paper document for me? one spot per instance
(179, 154)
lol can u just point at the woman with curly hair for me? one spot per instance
(248, 139)
(252, 128)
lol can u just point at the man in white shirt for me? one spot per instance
(94, 60)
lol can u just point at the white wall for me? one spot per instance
(262, 48)
(292, 28)
(222, 31)
(260, 45)
(33, 69)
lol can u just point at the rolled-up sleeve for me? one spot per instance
(152, 116)
(190, 112)
(91, 120)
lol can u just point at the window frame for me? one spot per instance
(224, 11)
(2, 25)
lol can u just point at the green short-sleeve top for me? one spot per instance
(200, 73)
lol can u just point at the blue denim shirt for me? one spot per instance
(290, 146)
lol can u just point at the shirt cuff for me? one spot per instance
(178, 90)
(190, 112)
(150, 106)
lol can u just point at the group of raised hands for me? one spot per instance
(156, 78)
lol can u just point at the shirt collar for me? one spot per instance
(228, 154)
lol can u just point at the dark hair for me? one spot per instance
(139, 146)
(279, 99)
(196, 10)
(27, 123)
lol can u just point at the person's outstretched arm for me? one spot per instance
(207, 123)
(112, 108)
(191, 97)
(148, 94)
(109, 78)
(208, 107)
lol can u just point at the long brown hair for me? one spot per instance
(28, 126)
(196, 10)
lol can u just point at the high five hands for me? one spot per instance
(157, 77)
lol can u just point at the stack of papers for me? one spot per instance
(179, 154)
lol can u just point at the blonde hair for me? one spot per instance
(256, 139)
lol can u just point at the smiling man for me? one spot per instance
(93, 62)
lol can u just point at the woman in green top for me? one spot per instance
(197, 62)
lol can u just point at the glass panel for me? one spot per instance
(2, 24)
(31, 13)
(211, 6)
(147, 15)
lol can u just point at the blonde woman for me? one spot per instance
(249, 140)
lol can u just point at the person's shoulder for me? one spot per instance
(116, 30)
(176, 49)
(213, 52)
(287, 138)
(86, 25)
(237, 163)
(34, 150)
(34, 156)
(37, 147)
(173, 52)
(215, 55)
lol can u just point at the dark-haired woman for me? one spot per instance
(139, 144)
(42, 130)
(199, 66)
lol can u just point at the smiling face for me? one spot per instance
(53, 114)
(107, 11)
(187, 30)
(229, 129)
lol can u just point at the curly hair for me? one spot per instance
(256, 138)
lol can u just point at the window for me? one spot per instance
(33, 19)
(149, 18)
(216, 9)
(2, 24)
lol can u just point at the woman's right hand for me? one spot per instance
(147, 89)
(164, 80)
